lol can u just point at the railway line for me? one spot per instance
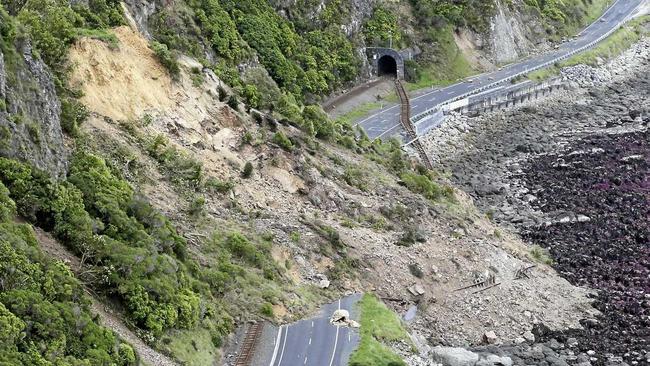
(248, 346)
(405, 120)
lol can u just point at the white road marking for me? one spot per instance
(336, 340)
(309, 340)
(277, 344)
(349, 336)
(286, 333)
(304, 363)
(312, 323)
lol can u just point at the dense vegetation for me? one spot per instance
(474, 14)
(44, 315)
(133, 252)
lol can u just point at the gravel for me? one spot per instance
(571, 174)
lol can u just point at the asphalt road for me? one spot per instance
(385, 123)
(316, 342)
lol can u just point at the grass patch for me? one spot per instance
(379, 326)
(545, 73)
(424, 185)
(610, 47)
(449, 66)
(358, 112)
(191, 347)
(103, 35)
(541, 255)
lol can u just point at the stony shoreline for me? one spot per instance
(571, 173)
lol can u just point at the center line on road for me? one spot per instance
(304, 363)
(336, 339)
(309, 340)
(312, 323)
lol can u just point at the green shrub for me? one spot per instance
(43, 309)
(423, 185)
(197, 77)
(167, 58)
(215, 185)
(73, 114)
(324, 127)
(197, 206)
(541, 255)
(247, 138)
(233, 102)
(181, 168)
(248, 170)
(97, 214)
(283, 141)
(356, 177)
(252, 96)
(5, 137)
(416, 270)
(267, 309)
(381, 28)
(7, 205)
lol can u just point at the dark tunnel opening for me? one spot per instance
(387, 66)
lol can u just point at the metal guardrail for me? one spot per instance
(437, 107)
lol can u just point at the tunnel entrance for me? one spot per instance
(387, 66)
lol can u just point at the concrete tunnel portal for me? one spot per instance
(386, 62)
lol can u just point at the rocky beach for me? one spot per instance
(571, 174)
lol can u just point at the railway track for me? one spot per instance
(405, 120)
(248, 346)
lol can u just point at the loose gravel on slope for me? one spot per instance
(571, 174)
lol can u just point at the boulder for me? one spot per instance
(489, 337)
(453, 356)
(416, 290)
(494, 360)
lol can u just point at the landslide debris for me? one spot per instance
(570, 173)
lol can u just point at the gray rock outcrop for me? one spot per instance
(30, 125)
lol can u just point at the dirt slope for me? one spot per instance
(290, 193)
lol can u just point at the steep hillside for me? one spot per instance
(201, 191)
(231, 37)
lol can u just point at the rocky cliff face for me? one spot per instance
(30, 126)
(512, 35)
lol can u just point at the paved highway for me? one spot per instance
(385, 123)
(316, 342)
